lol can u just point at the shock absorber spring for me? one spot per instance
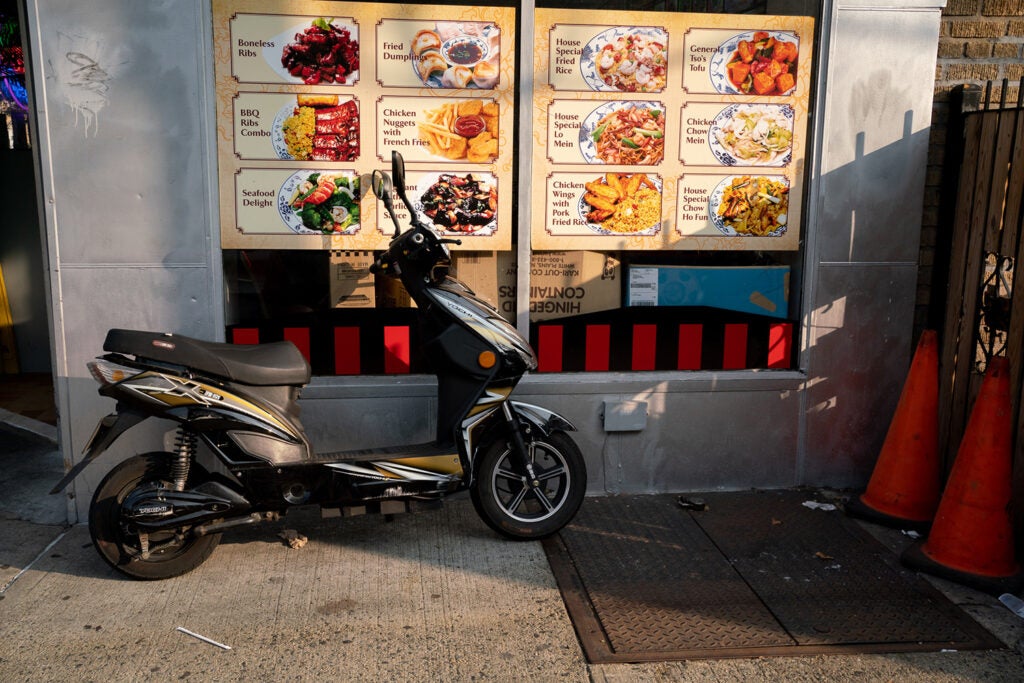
(184, 449)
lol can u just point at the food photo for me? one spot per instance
(323, 51)
(317, 128)
(457, 55)
(466, 129)
(624, 133)
(750, 206)
(622, 204)
(756, 63)
(320, 202)
(461, 204)
(626, 59)
(753, 135)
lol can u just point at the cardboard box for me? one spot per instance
(763, 290)
(391, 293)
(351, 281)
(562, 283)
(491, 275)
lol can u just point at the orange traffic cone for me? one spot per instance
(971, 539)
(904, 488)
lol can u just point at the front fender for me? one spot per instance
(543, 419)
(480, 428)
(491, 424)
(107, 431)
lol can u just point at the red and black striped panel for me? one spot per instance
(392, 346)
(639, 347)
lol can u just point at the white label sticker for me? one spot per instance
(643, 286)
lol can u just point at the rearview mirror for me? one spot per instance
(398, 167)
(382, 189)
(398, 171)
(381, 185)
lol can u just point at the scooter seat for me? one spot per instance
(273, 364)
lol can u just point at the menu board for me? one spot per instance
(669, 130)
(312, 97)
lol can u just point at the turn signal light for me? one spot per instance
(106, 372)
(487, 359)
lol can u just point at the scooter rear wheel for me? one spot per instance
(119, 545)
(509, 505)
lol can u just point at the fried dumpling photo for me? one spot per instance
(485, 75)
(457, 77)
(430, 64)
(425, 40)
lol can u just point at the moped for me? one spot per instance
(161, 514)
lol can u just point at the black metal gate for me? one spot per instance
(984, 311)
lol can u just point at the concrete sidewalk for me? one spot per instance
(430, 596)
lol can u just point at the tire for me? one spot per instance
(509, 506)
(114, 538)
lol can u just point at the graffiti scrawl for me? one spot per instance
(85, 72)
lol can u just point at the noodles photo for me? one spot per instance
(754, 206)
(759, 135)
(631, 135)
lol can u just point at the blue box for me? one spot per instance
(762, 290)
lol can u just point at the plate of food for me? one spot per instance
(324, 51)
(317, 128)
(320, 202)
(626, 59)
(750, 206)
(465, 129)
(756, 63)
(624, 133)
(622, 204)
(753, 135)
(457, 55)
(458, 203)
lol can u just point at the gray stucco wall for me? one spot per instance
(123, 95)
(121, 92)
(863, 247)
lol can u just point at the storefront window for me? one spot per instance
(663, 148)
(13, 94)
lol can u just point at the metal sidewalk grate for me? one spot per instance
(755, 574)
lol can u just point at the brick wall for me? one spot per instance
(979, 41)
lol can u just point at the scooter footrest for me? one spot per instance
(423, 450)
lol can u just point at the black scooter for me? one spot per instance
(161, 514)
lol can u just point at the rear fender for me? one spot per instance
(107, 432)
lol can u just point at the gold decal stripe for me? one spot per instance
(443, 464)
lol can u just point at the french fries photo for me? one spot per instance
(461, 130)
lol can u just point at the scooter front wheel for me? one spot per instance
(173, 552)
(515, 507)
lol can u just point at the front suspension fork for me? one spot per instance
(520, 452)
